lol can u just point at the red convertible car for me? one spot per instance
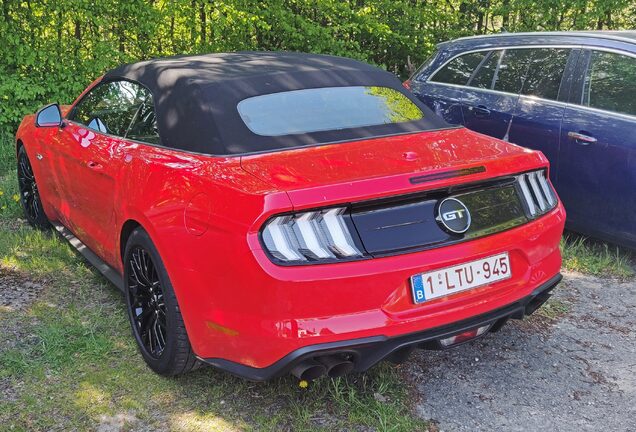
(274, 213)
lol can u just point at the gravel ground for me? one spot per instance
(574, 372)
(16, 291)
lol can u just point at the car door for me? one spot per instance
(537, 117)
(597, 176)
(491, 95)
(91, 154)
(444, 90)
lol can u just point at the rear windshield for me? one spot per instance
(326, 109)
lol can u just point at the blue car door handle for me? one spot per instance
(480, 111)
(582, 138)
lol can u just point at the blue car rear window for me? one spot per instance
(326, 109)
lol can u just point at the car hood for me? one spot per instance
(352, 171)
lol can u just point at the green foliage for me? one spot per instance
(52, 49)
(9, 205)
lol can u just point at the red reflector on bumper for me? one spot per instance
(465, 336)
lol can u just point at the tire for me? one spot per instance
(153, 311)
(29, 193)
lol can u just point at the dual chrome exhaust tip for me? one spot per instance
(331, 365)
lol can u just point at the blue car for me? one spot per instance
(571, 95)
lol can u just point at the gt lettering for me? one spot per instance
(452, 215)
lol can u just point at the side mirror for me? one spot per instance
(49, 116)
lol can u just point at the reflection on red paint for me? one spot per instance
(84, 137)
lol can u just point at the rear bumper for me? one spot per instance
(255, 313)
(366, 352)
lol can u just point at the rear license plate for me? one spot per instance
(462, 277)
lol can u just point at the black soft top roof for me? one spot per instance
(196, 97)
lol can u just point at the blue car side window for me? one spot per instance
(459, 70)
(483, 78)
(512, 70)
(610, 83)
(545, 72)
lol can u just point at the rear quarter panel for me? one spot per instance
(197, 211)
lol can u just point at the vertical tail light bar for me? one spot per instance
(309, 237)
(537, 193)
(281, 245)
(307, 233)
(547, 190)
(527, 196)
(340, 238)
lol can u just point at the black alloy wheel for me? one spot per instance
(146, 302)
(153, 311)
(29, 193)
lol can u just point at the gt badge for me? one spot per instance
(454, 215)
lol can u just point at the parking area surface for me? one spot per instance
(571, 367)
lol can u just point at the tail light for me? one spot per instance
(537, 193)
(321, 235)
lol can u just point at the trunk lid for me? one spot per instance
(374, 168)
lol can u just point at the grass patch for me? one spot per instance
(596, 258)
(553, 309)
(69, 362)
(61, 339)
(7, 154)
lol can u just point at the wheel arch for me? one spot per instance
(126, 230)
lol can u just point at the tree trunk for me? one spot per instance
(5, 10)
(505, 18)
(78, 32)
(121, 42)
(172, 40)
(59, 24)
(78, 37)
(193, 36)
(203, 18)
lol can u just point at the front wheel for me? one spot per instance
(156, 321)
(29, 193)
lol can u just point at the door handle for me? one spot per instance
(93, 165)
(581, 138)
(480, 111)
